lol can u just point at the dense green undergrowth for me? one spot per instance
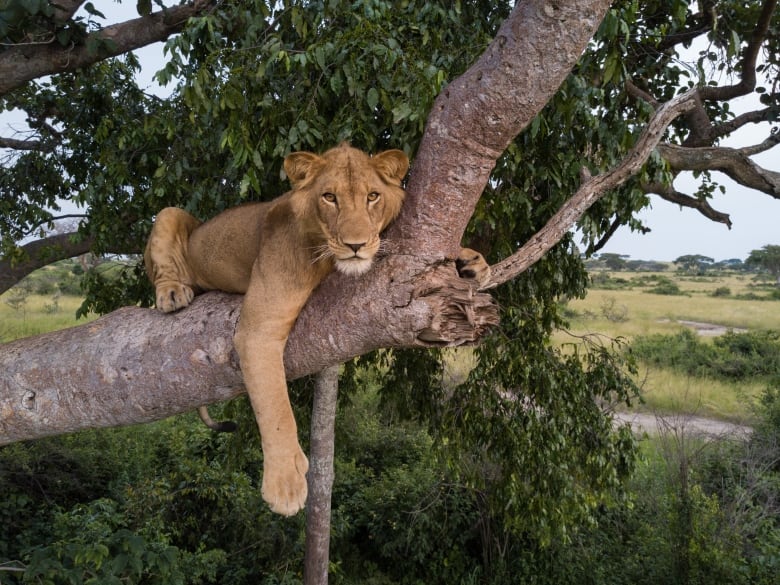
(170, 503)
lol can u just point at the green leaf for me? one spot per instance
(372, 98)
(144, 7)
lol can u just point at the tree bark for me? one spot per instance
(22, 63)
(320, 477)
(138, 365)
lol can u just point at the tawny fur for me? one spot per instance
(277, 253)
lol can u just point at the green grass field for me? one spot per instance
(38, 314)
(629, 310)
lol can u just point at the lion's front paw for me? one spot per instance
(173, 296)
(284, 483)
(471, 264)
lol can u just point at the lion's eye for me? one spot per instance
(373, 196)
(329, 197)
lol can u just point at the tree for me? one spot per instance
(522, 135)
(694, 262)
(614, 261)
(767, 258)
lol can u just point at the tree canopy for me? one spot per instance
(767, 258)
(497, 155)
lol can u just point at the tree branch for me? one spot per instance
(477, 115)
(592, 190)
(20, 64)
(752, 117)
(26, 144)
(670, 194)
(38, 254)
(747, 81)
(734, 162)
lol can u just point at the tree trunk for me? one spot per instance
(320, 477)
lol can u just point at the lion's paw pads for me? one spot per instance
(284, 483)
(471, 264)
(174, 296)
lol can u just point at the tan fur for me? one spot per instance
(277, 253)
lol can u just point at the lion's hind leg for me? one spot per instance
(166, 259)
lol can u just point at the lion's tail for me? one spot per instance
(225, 426)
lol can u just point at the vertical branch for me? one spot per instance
(320, 477)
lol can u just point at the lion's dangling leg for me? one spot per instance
(166, 259)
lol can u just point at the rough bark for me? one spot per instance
(22, 63)
(320, 477)
(480, 113)
(138, 365)
(734, 162)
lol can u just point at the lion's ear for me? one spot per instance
(393, 164)
(299, 165)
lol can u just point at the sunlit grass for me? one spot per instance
(37, 314)
(650, 313)
(666, 391)
(631, 312)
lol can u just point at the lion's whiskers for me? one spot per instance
(320, 252)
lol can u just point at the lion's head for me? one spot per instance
(346, 199)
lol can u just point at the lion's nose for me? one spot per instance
(356, 247)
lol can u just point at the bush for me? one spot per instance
(721, 291)
(665, 287)
(733, 356)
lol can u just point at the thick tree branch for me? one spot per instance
(39, 253)
(591, 190)
(747, 81)
(22, 63)
(734, 162)
(480, 113)
(26, 144)
(138, 365)
(670, 194)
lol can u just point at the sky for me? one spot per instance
(755, 216)
(674, 231)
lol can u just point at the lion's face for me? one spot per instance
(346, 199)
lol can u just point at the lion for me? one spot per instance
(276, 253)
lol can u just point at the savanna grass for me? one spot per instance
(629, 311)
(37, 314)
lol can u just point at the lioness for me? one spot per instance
(277, 253)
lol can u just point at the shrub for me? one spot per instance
(665, 287)
(721, 291)
(734, 356)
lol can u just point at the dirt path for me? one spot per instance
(656, 424)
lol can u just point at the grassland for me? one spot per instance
(628, 309)
(37, 314)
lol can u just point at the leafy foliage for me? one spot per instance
(733, 356)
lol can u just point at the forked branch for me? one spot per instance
(592, 190)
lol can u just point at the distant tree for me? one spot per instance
(614, 261)
(767, 258)
(731, 264)
(694, 262)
